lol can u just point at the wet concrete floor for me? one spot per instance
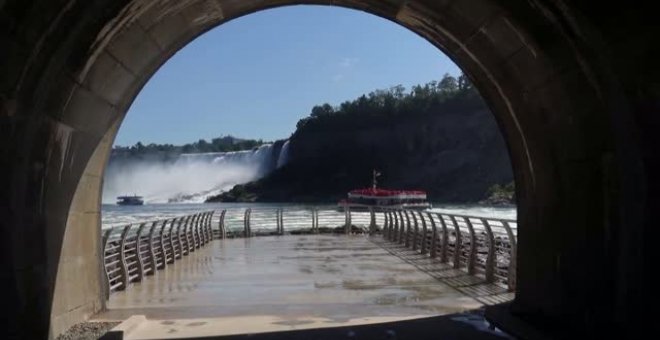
(288, 281)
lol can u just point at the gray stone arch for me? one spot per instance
(549, 70)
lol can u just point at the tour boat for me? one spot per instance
(377, 198)
(130, 200)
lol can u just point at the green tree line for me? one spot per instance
(220, 144)
(391, 106)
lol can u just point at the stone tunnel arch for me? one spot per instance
(75, 67)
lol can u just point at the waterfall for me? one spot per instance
(190, 177)
(283, 157)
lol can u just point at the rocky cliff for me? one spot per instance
(456, 155)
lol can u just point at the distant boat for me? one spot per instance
(130, 200)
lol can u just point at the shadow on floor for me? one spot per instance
(469, 325)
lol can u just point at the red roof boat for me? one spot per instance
(363, 199)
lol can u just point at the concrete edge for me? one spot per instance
(122, 330)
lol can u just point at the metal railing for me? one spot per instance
(137, 250)
(483, 246)
(239, 222)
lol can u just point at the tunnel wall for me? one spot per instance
(573, 87)
(81, 284)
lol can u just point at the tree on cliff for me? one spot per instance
(390, 106)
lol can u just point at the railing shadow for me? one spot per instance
(470, 285)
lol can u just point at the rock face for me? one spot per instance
(455, 156)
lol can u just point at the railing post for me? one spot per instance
(245, 227)
(313, 220)
(209, 227)
(316, 220)
(277, 222)
(390, 218)
(205, 227)
(394, 237)
(221, 225)
(163, 243)
(197, 235)
(246, 223)
(190, 232)
(281, 221)
(402, 228)
(349, 224)
(372, 220)
(122, 257)
(458, 244)
(201, 229)
(104, 245)
(511, 271)
(434, 236)
(390, 224)
(183, 236)
(194, 221)
(386, 226)
(169, 234)
(394, 221)
(152, 251)
(204, 230)
(491, 259)
(176, 244)
(191, 221)
(472, 256)
(415, 237)
(249, 219)
(424, 234)
(138, 251)
(445, 239)
(408, 229)
(187, 233)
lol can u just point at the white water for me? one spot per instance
(497, 212)
(284, 155)
(189, 179)
(113, 215)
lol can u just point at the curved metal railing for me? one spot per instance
(483, 246)
(137, 250)
(240, 222)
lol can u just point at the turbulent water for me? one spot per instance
(192, 177)
(113, 215)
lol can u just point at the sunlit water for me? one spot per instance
(114, 215)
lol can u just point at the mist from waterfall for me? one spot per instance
(190, 178)
(283, 158)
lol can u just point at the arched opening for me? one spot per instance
(565, 120)
(428, 129)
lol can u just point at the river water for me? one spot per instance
(114, 215)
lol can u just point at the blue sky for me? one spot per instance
(256, 76)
